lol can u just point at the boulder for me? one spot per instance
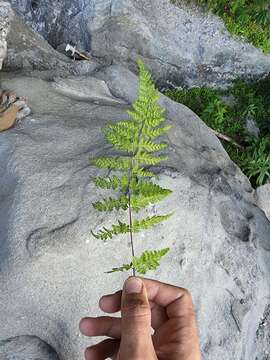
(28, 51)
(182, 45)
(52, 268)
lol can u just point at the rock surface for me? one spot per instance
(262, 196)
(26, 348)
(181, 45)
(52, 269)
(6, 15)
(28, 51)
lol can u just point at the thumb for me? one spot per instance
(136, 340)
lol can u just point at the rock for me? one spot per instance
(262, 196)
(182, 45)
(59, 22)
(26, 348)
(252, 128)
(52, 268)
(28, 51)
(6, 14)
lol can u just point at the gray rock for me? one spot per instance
(182, 45)
(6, 14)
(52, 269)
(262, 196)
(28, 51)
(252, 128)
(26, 347)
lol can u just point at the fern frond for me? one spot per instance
(122, 135)
(149, 260)
(106, 183)
(112, 163)
(110, 204)
(147, 159)
(105, 234)
(148, 222)
(153, 133)
(140, 172)
(150, 146)
(124, 267)
(144, 193)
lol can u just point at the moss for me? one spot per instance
(250, 101)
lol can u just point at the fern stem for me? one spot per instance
(130, 232)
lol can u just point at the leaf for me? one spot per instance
(113, 163)
(110, 204)
(150, 146)
(145, 192)
(106, 183)
(105, 234)
(147, 159)
(148, 222)
(149, 260)
(124, 267)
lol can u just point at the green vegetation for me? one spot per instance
(227, 112)
(134, 141)
(247, 18)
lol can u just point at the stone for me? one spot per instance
(262, 196)
(182, 45)
(6, 15)
(29, 51)
(252, 128)
(52, 268)
(26, 347)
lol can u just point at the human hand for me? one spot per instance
(145, 303)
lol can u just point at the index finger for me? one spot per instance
(176, 300)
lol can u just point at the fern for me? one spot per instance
(149, 260)
(137, 140)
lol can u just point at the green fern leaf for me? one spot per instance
(145, 193)
(150, 146)
(124, 267)
(143, 173)
(106, 183)
(149, 260)
(148, 222)
(147, 159)
(112, 163)
(135, 139)
(105, 234)
(110, 204)
(153, 133)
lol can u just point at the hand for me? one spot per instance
(145, 303)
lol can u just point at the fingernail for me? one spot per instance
(133, 285)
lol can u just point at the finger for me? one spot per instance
(136, 340)
(101, 326)
(103, 350)
(158, 315)
(159, 293)
(111, 303)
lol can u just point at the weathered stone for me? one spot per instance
(28, 51)
(182, 45)
(52, 268)
(262, 196)
(6, 14)
(26, 347)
